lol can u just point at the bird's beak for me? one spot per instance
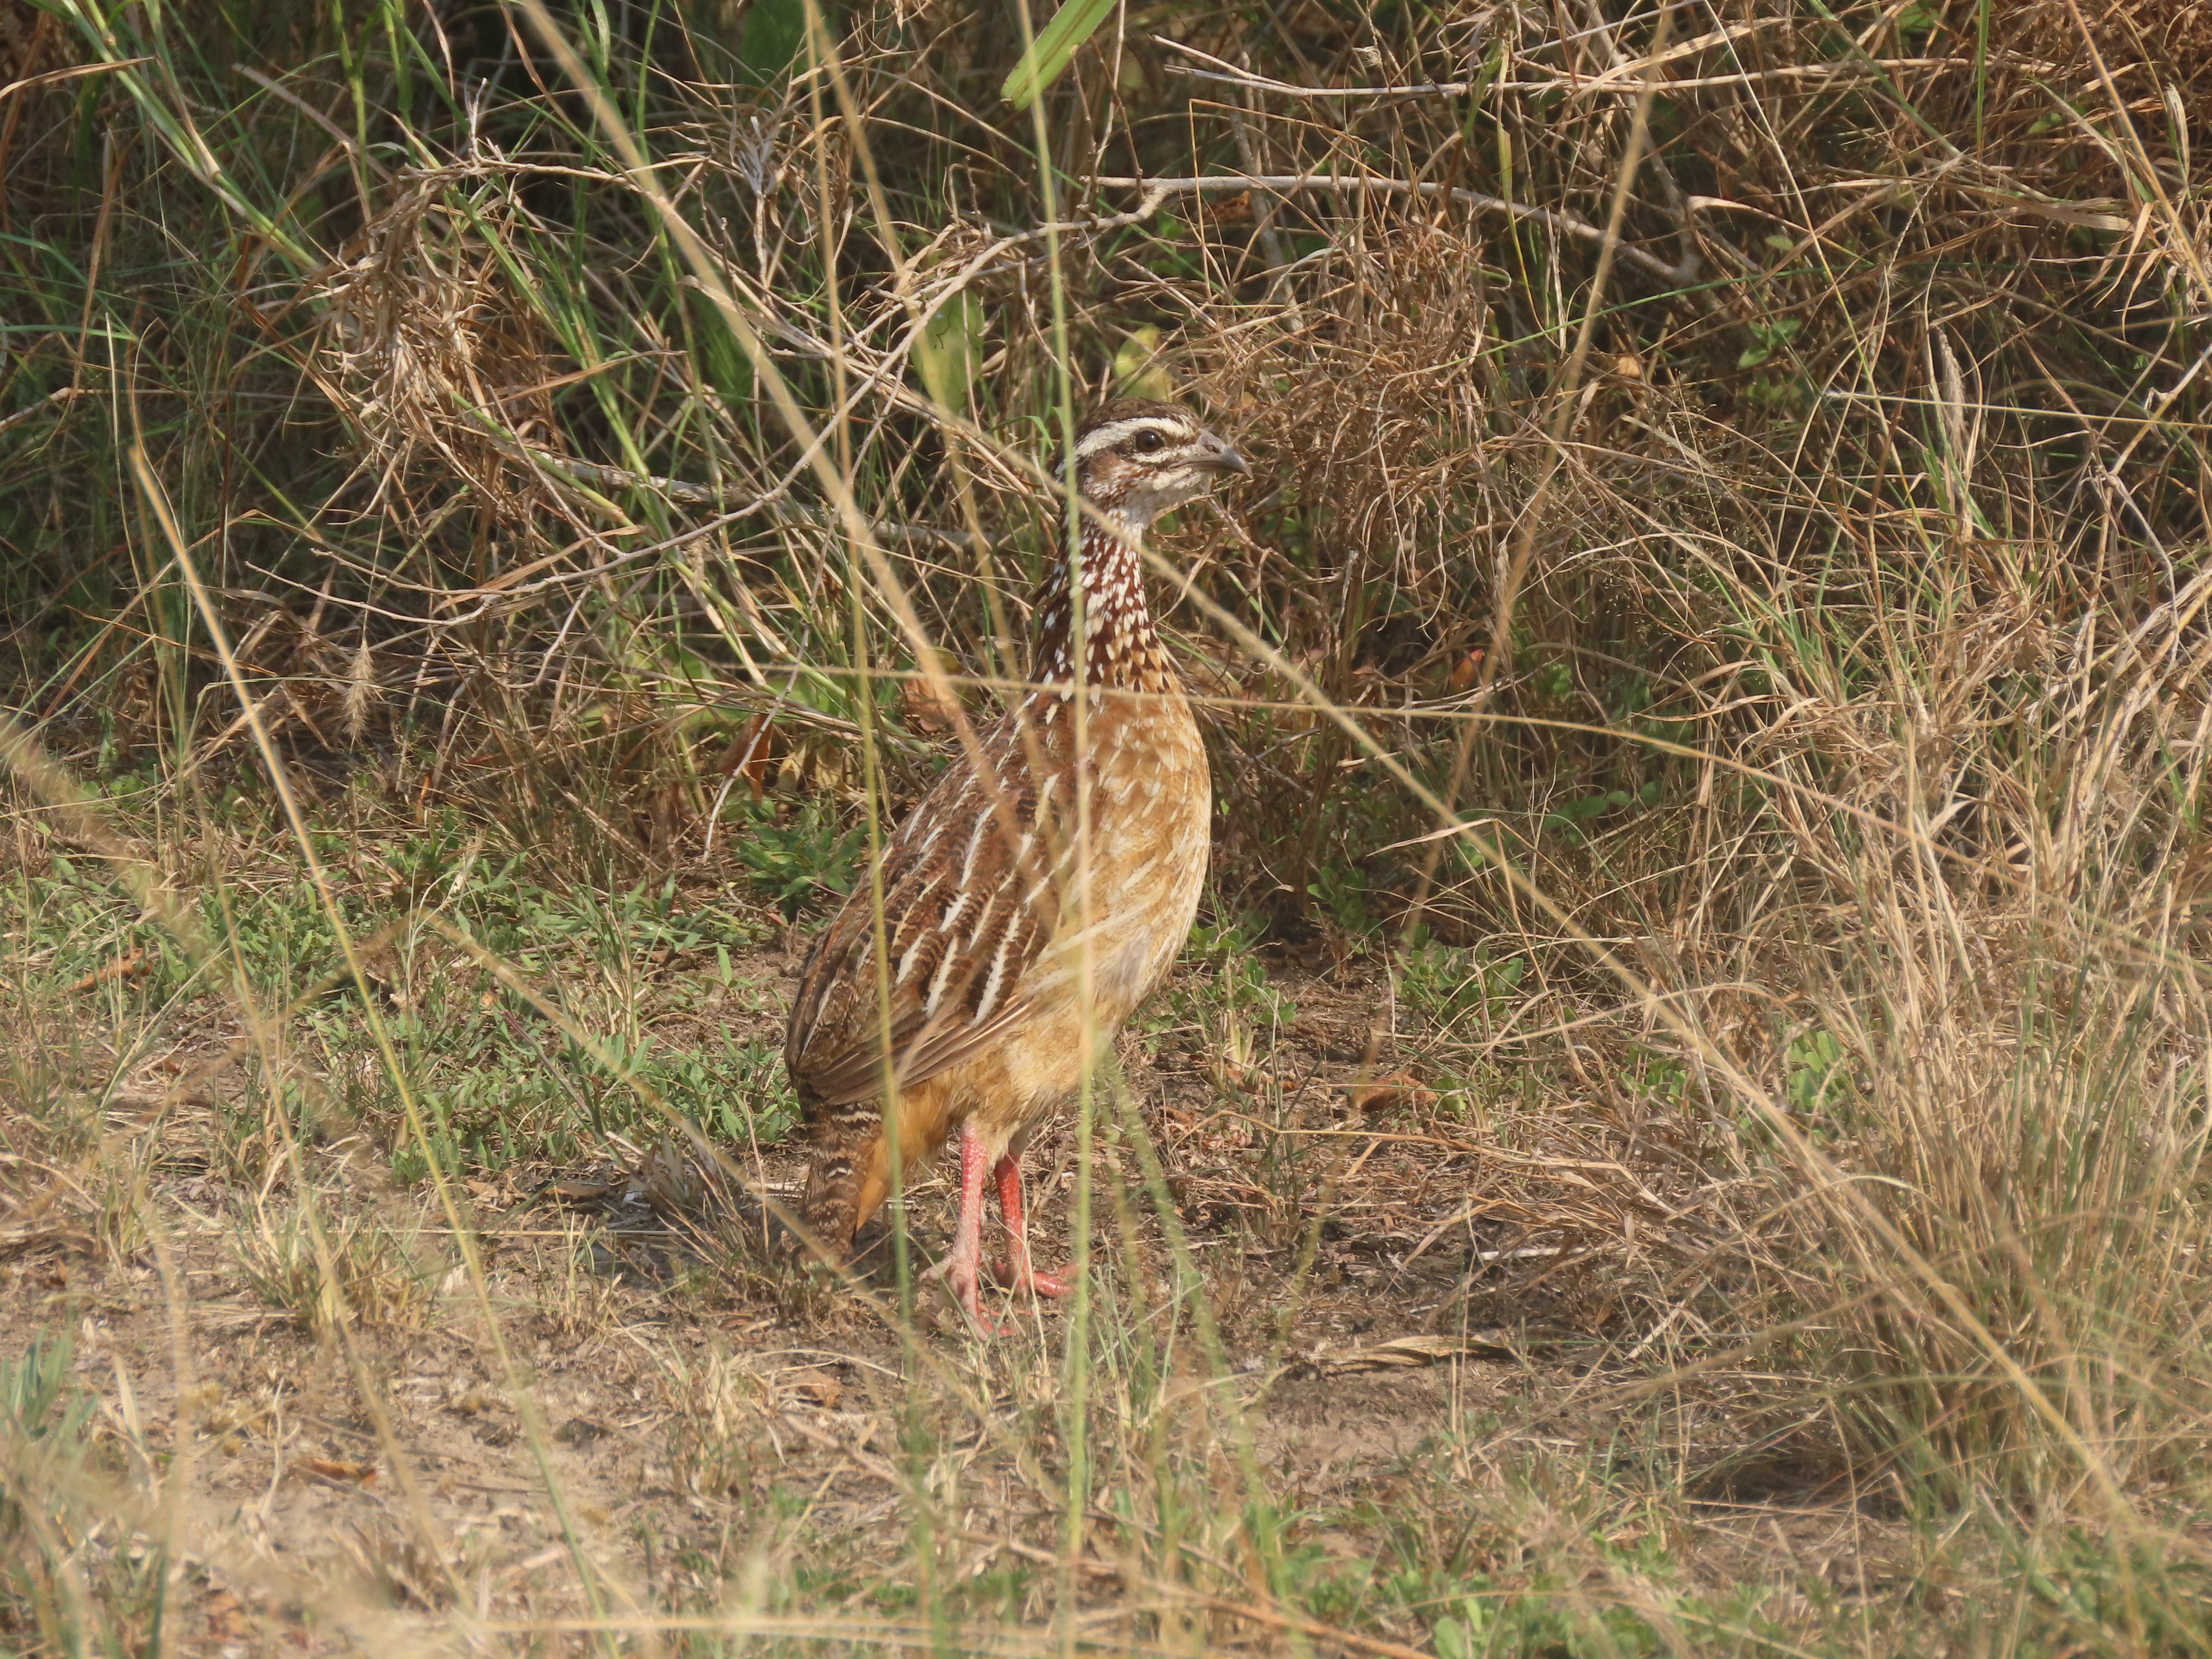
(1222, 457)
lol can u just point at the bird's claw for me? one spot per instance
(1046, 1284)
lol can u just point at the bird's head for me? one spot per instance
(1138, 460)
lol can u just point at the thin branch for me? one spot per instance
(60, 395)
(1609, 82)
(596, 476)
(1624, 76)
(1564, 224)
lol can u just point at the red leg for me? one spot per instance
(1020, 1271)
(963, 1268)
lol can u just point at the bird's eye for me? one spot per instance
(1148, 441)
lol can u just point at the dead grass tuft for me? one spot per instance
(328, 1273)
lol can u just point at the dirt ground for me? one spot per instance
(1411, 1299)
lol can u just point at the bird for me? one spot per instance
(1067, 844)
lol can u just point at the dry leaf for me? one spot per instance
(579, 1189)
(1418, 1349)
(337, 1468)
(122, 967)
(749, 753)
(809, 1385)
(1399, 1090)
(226, 1617)
(927, 708)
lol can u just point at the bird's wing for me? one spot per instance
(970, 887)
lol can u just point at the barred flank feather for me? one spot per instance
(841, 1138)
(830, 1208)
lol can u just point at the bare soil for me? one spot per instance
(647, 1406)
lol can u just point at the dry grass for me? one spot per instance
(1683, 1125)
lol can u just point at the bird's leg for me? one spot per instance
(963, 1268)
(1020, 1271)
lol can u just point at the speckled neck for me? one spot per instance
(1124, 651)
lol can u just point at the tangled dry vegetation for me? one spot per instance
(1683, 1125)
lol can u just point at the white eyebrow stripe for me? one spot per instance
(1115, 431)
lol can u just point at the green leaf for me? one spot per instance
(1769, 337)
(949, 353)
(1915, 24)
(1137, 370)
(1049, 54)
(1465, 1637)
(774, 33)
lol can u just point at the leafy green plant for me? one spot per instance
(1768, 336)
(33, 1390)
(1464, 1632)
(950, 351)
(1231, 1007)
(1344, 894)
(1818, 1070)
(798, 861)
(49, 1559)
(1446, 986)
(1656, 1077)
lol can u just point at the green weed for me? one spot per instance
(799, 861)
(1449, 989)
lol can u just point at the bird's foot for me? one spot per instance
(962, 1266)
(1017, 1274)
(970, 1296)
(964, 1279)
(1022, 1278)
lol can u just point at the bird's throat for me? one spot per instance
(1121, 649)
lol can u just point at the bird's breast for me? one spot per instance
(1150, 804)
